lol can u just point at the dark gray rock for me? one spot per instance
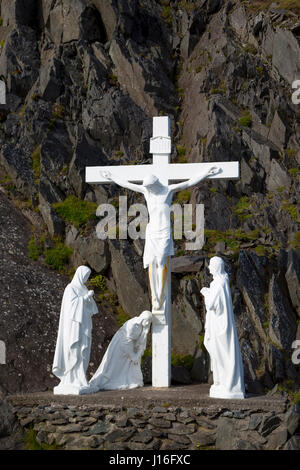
(250, 362)
(160, 423)
(69, 428)
(293, 443)
(183, 264)
(277, 132)
(18, 12)
(251, 281)
(143, 436)
(147, 370)
(181, 375)
(92, 251)
(51, 85)
(10, 431)
(200, 368)
(17, 164)
(269, 423)
(292, 419)
(278, 438)
(283, 326)
(255, 421)
(179, 439)
(277, 177)
(214, 5)
(99, 428)
(275, 363)
(20, 60)
(180, 429)
(125, 264)
(56, 152)
(286, 55)
(225, 436)
(292, 277)
(109, 15)
(120, 435)
(203, 438)
(84, 155)
(55, 225)
(241, 444)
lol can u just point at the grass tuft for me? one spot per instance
(76, 211)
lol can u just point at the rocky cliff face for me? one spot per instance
(84, 79)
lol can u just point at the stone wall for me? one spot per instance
(150, 427)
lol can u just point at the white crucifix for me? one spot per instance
(158, 192)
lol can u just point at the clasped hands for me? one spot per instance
(204, 291)
(89, 295)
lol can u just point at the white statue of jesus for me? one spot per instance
(159, 241)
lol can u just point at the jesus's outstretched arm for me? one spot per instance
(125, 184)
(193, 181)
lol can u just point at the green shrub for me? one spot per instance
(122, 317)
(182, 360)
(36, 163)
(246, 119)
(32, 444)
(291, 152)
(113, 79)
(58, 257)
(296, 240)
(294, 171)
(242, 208)
(34, 249)
(147, 353)
(183, 196)
(181, 151)
(76, 211)
(166, 14)
(58, 111)
(250, 49)
(297, 398)
(291, 209)
(260, 250)
(201, 342)
(213, 190)
(99, 281)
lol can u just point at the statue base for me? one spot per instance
(218, 392)
(68, 390)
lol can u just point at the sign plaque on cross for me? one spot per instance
(157, 187)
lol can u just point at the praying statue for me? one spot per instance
(120, 367)
(73, 344)
(220, 339)
(158, 241)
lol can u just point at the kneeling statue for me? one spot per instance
(120, 367)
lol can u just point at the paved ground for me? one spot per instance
(180, 396)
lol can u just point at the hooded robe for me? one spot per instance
(120, 367)
(221, 340)
(73, 344)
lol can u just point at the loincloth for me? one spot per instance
(158, 245)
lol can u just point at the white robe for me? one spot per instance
(73, 344)
(120, 367)
(221, 341)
